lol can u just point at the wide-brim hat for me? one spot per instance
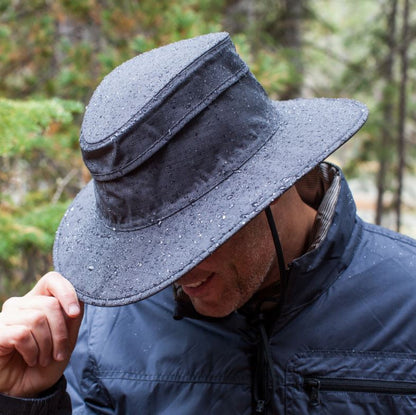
(184, 148)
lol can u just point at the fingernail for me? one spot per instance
(60, 357)
(73, 309)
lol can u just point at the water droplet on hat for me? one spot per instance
(90, 268)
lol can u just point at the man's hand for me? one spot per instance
(38, 333)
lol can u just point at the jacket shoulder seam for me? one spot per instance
(375, 229)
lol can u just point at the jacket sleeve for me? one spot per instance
(88, 394)
(55, 401)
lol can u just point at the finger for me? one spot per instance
(19, 338)
(10, 306)
(46, 318)
(73, 327)
(55, 285)
(58, 328)
(39, 326)
(35, 321)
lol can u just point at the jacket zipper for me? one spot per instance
(317, 384)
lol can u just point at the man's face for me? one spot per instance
(229, 277)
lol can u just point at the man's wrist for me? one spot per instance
(30, 395)
(50, 401)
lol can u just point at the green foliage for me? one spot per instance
(27, 126)
(64, 48)
(21, 229)
(38, 145)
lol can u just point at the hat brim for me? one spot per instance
(113, 268)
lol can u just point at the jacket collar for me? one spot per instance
(312, 273)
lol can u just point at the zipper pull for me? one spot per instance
(313, 386)
(260, 405)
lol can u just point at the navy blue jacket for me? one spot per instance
(343, 343)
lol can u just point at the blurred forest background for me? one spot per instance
(53, 53)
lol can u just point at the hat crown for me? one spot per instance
(202, 122)
(133, 84)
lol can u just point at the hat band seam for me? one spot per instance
(161, 95)
(208, 81)
(121, 228)
(174, 129)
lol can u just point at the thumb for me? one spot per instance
(73, 324)
(55, 285)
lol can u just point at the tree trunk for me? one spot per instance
(402, 112)
(292, 40)
(387, 99)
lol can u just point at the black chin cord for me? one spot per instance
(279, 250)
(264, 377)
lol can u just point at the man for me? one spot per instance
(284, 301)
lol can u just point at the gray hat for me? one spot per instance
(184, 148)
